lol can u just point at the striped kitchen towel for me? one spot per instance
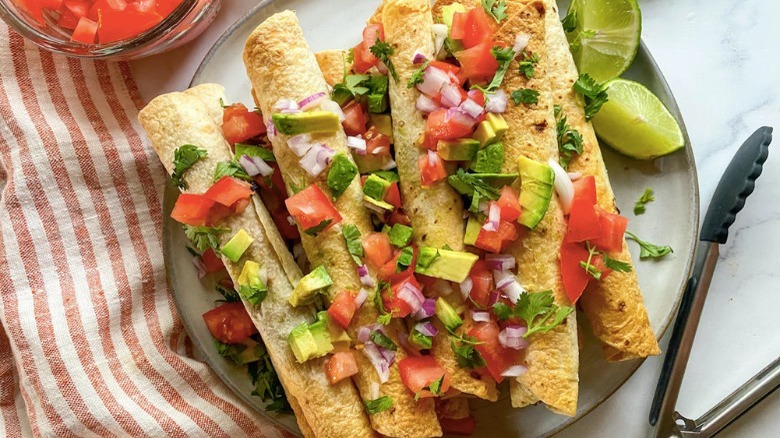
(91, 344)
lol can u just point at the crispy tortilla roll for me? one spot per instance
(614, 305)
(436, 212)
(322, 410)
(280, 65)
(333, 64)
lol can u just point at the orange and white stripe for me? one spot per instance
(91, 343)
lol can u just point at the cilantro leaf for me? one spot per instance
(185, 157)
(647, 197)
(617, 265)
(352, 236)
(465, 354)
(590, 268)
(382, 340)
(649, 250)
(495, 8)
(527, 64)
(379, 405)
(502, 311)
(383, 51)
(384, 317)
(525, 95)
(417, 76)
(468, 184)
(569, 140)
(351, 87)
(317, 229)
(404, 259)
(230, 168)
(434, 388)
(230, 351)
(540, 312)
(594, 93)
(229, 294)
(267, 384)
(504, 56)
(204, 237)
(569, 22)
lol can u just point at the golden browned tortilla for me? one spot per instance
(322, 410)
(614, 305)
(333, 64)
(280, 65)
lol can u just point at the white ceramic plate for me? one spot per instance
(672, 219)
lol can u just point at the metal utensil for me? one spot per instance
(736, 184)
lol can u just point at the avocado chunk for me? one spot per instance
(485, 134)
(383, 123)
(305, 122)
(377, 98)
(309, 286)
(446, 264)
(536, 188)
(376, 206)
(472, 231)
(376, 187)
(388, 175)
(498, 123)
(370, 163)
(237, 245)
(447, 315)
(253, 151)
(489, 159)
(342, 172)
(419, 340)
(498, 180)
(250, 283)
(446, 17)
(400, 235)
(310, 341)
(457, 150)
(321, 332)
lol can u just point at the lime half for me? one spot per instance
(636, 123)
(605, 37)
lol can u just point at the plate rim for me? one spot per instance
(694, 216)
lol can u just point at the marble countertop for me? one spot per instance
(722, 61)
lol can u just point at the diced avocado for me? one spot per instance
(320, 330)
(489, 159)
(376, 187)
(342, 172)
(377, 206)
(458, 150)
(311, 284)
(304, 122)
(472, 231)
(338, 336)
(370, 163)
(425, 256)
(485, 134)
(448, 265)
(254, 151)
(536, 188)
(419, 340)
(498, 124)
(383, 123)
(400, 235)
(250, 283)
(447, 315)
(388, 175)
(498, 180)
(377, 98)
(446, 17)
(237, 245)
(310, 341)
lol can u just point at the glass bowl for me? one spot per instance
(184, 23)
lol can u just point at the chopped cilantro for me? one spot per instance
(382, 340)
(267, 384)
(569, 140)
(527, 64)
(595, 94)
(230, 351)
(230, 168)
(384, 317)
(569, 22)
(647, 196)
(204, 237)
(495, 8)
(588, 266)
(383, 51)
(525, 95)
(502, 311)
(185, 157)
(465, 354)
(538, 310)
(229, 294)
(379, 405)
(351, 87)
(504, 56)
(417, 76)
(468, 184)
(351, 235)
(617, 265)
(649, 250)
(434, 388)
(404, 259)
(317, 229)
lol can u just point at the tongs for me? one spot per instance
(735, 186)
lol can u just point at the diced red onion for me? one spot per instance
(474, 94)
(496, 102)
(493, 298)
(382, 68)
(500, 262)
(378, 150)
(312, 101)
(426, 104)
(515, 371)
(483, 207)
(329, 105)
(418, 58)
(365, 277)
(512, 337)
(514, 291)
(358, 143)
(390, 165)
(480, 316)
(521, 42)
(465, 287)
(494, 218)
(198, 262)
(291, 220)
(426, 328)
(507, 283)
(459, 117)
(574, 176)
(433, 81)
(286, 106)
(300, 144)
(427, 309)
(389, 355)
(361, 296)
(270, 128)
(378, 360)
(363, 333)
(440, 32)
(411, 295)
(255, 166)
(432, 158)
(472, 108)
(450, 95)
(317, 159)
(563, 185)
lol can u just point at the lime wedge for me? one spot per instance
(636, 123)
(605, 36)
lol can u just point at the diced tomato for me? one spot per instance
(509, 204)
(393, 195)
(372, 32)
(575, 278)
(85, 31)
(440, 127)
(78, 8)
(192, 209)
(239, 124)
(482, 284)
(362, 58)
(418, 373)
(495, 241)
(598, 262)
(478, 28)
(477, 96)
(230, 323)
(165, 7)
(117, 25)
(613, 228)
(144, 6)
(583, 221)
(458, 27)
(431, 168)
(340, 366)
(451, 69)
(211, 261)
(343, 308)
(377, 144)
(497, 358)
(396, 306)
(310, 207)
(478, 63)
(377, 249)
(228, 190)
(460, 426)
(355, 121)
(398, 216)
(67, 20)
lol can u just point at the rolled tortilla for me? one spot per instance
(280, 65)
(322, 410)
(333, 64)
(614, 305)
(436, 212)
